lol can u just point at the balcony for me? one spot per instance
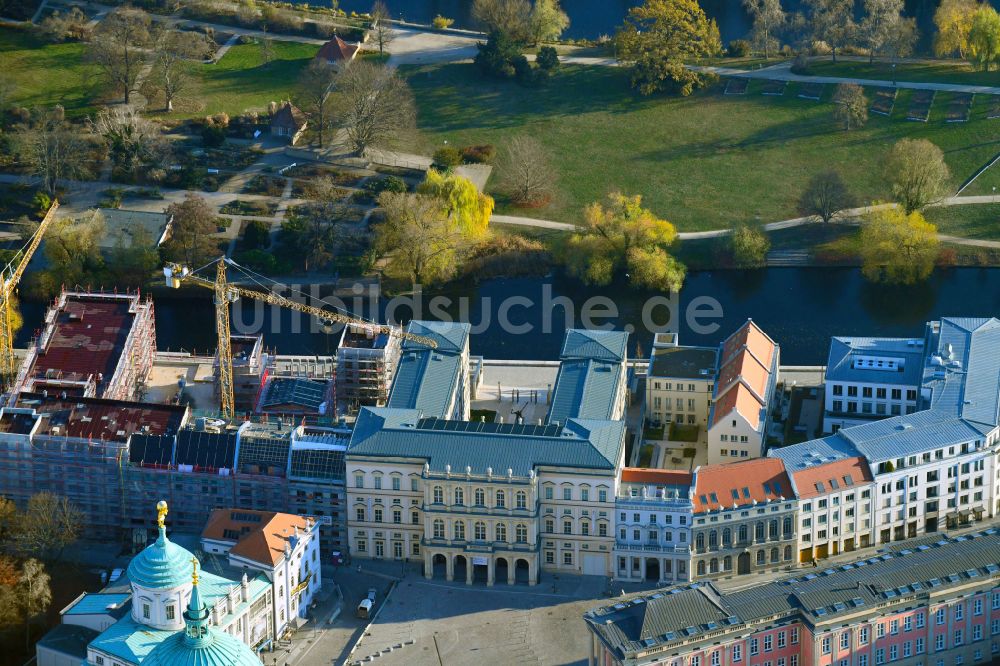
(653, 547)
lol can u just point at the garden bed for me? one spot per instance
(737, 86)
(883, 99)
(683, 433)
(773, 88)
(252, 208)
(993, 107)
(342, 177)
(920, 105)
(813, 91)
(959, 108)
(269, 185)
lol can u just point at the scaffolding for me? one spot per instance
(366, 365)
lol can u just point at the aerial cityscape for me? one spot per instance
(446, 332)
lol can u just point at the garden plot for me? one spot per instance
(960, 108)
(883, 99)
(813, 91)
(993, 107)
(920, 105)
(774, 88)
(736, 86)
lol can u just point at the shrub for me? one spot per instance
(442, 23)
(482, 154)
(738, 48)
(257, 235)
(447, 157)
(259, 261)
(498, 55)
(377, 186)
(947, 257)
(801, 64)
(213, 136)
(547, 59)
(525, 73)
(42, 201)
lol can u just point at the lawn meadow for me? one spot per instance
(703, 162)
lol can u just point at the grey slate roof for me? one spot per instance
(589, 375)
(306, 393)
(120, 224)
(404, 433)
(603, 345)
(647, 621)
(69, 639)
(684, 362)
(962, 378)
(426, 379)
(843, 350)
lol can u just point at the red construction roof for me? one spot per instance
(740, 483)
(665, 477)
(831, 477)
(87, 339)
(259, 536)
(749, 335)
(100, 419)
(337, 50)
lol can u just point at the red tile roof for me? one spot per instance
(744, 374)
(831, 476)
(337, 50)
(100, 419)
(666, 477)
(740, 483)
(87, 339)
(259, 536)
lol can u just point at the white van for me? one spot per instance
(364, 609)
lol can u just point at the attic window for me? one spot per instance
(819, 486)
(704, 499)
(848, 481)
(834, 484)
(746, 492)
(715, 500)
(736, 494)
(767, 488)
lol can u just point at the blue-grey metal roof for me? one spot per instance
(450, 336)
(91, 603)
(641, 622)
(70, 640)
(843, 351)
(603, 345)
(585, 389)
(307, 393)
(961, 376)
(404, 433)
(814, 452)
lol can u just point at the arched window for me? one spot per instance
(713, 540)
(522, 500)
(501, 532)
(788, 553)
(459, 530)
(521, 533)
(743, 533)
(701, 568)
(480, 497)
(760, 557)
(772, 530)
(501, 499)
(713, 566)
(459, 496)
(787, 527)
(727, 563)
(415, 518)
(774, 555)
(480, 531)
(438, 495)
(397, 516)
(759, 531)
(438, 529)
(699, 541)
(727, 538)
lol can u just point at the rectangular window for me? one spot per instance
(567, 494)
(768, 643)
(378, 483)
(170, 612)
(359, 480)
(863, 636)
(826, 645)
(753, 647)
(880, 656)
(920, 646)
(795, 635)
(939, 642)
(845, 641)
(737, 652)
(781, 639)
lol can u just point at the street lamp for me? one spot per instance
(893, 73)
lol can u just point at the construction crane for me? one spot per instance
(10, 276)
(226, 293)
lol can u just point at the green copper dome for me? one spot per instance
(161, 565)
(199, 644)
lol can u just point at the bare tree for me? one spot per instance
(511, 17)
(172, 68)
(768, 20)
(377, 104)
(120, 48)
(191, 234)
(132, 140)
(267, 50)
(832, 22)
(49, 524)
(32, 594)
(826, 196)
(917, 173)
(381, 29)
(525, 172)
(52, 149)
(879, 24)
(850, 106)
(420, 242)
(313, 91)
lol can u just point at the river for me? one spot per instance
(801, 308)
(589, 19)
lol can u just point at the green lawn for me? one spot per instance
(47, 74)
(944, 71)
(703, 162)
(967, 221)
(240, 81)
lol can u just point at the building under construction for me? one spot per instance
(366, 365)
(93, 345)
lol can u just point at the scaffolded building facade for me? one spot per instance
(366, 365)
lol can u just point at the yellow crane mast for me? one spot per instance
(226, 293)
(9, 278)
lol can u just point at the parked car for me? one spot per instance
(364, 608)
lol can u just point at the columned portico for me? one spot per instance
(506, 566)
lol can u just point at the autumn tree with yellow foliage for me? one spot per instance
(468, 208)
(897, 247)
(953, 19)
(622, 236)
